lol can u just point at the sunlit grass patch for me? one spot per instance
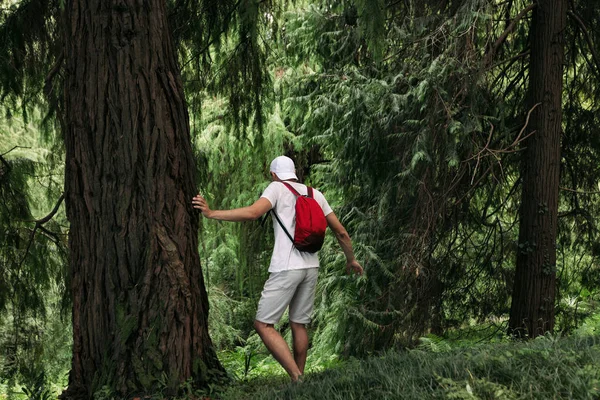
(545, 368)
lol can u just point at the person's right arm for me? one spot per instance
(250, 213)
(345, 243)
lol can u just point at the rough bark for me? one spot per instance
(139, 304)
(532, 309)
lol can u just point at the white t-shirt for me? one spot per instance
(285, 255)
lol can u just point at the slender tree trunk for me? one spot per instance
(532, 310)
(139, 304)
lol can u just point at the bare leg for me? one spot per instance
(300, 344)
(278, 348)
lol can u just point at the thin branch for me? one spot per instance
(588, 39)
(52, 213)
(574, 211)
(16, 147)
(492, 52)
(48, 86)
(38, 225)
(394, 4)
(215, 37)
(478, 155)
(512, 59)
(6, 165)
(509, 149)
(28, 247)
(526, 123)
(516, 82)
(50, 235)
(505, 201)
(578, 191)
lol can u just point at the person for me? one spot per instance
(292, 273)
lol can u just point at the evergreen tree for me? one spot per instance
(425, 144)
(533, 298)
(139, 304)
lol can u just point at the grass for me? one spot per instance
(545, 368)
(550, 367)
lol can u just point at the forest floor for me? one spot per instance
(456, 367)
(550, 367)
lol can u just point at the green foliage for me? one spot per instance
(223, 50)
(402, 137)
(408, 118)
(422, 148)
(591, 326)
(34, 344)
(225, 333)
(29, 34)
(545, 368)
(393, 110)
(434, 344)
(35, 358)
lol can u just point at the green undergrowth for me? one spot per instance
(549, 367)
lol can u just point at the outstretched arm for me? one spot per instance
(249, 213)
(345, 242)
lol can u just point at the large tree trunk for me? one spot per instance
(532, 310)
(139, 304)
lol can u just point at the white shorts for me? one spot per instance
(295, 288)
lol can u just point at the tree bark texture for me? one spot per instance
(532, 309)
(140, 308)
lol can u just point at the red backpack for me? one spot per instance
(310, 222)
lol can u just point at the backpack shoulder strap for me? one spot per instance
(281, 224)
(294, 191)
(310, 192)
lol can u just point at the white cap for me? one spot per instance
(284, 168)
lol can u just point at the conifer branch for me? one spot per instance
(15, 147)
(53, 212)
(48, 87)
(395, 3)
(7, 165)
(38, 225)
(574, 211)
(525, 126)
(588, 39)
(50, 235)
(511, 60)
(579, 191)
(510, 149)
(215, 37)
(492, 52)
(6, 169)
